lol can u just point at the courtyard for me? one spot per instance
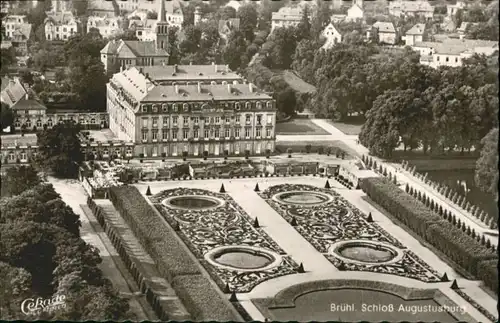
(290, 248)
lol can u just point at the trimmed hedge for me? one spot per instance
(487, 271)
(171, 257)
(400, 204)
(204, 302)
(453, 242)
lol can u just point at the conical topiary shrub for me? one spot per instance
(369, 218)
(327, 184)
(483, 240)
(488, 243)
(454, 285)
(300, 269)
(176, 226)
(257, 189)
(341, 266)
(222, 189)
(227, 290)
(148, 191)
(395, 180)
(407, 188)
(468, 231)
(444, 278)
(256, 223)
(293, 223)
(440, 210)
(233, 297)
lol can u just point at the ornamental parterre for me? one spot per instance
(338, 220)
(224, 225)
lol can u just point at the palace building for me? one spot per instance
(189, 119)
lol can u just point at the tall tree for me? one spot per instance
(486, 176)
(6, 116)
(60, 149)
(19, 179)
(248, 21)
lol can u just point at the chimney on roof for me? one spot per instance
(199, 87)
(250, 87)
(176, 87)
(229, 89)
(140, 70)
(147, 76)
(175, 68)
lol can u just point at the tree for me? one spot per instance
(16, 283)
(248, 21)
(6, 116)
(8, 58)
(60, 149)
(234, 51)
(19, 179)
(486, 175)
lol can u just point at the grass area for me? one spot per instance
(300, 146)
(11, 140)
(350, 126)
(299, 127)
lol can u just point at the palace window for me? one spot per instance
(39, 123)
(174, 135)
(268, 132)
(237, 132)
(259, 119)
(248, 119)
(185, 133)
(174, 107)
(12, 157)
(248, 105)
(155, 122)
(49, 123)
(196, 133)
(196, 120)
(228, 119)
(227, 133)
(174, 120)
(144, 136)
(155, 108)
(164, 108)
(164, 135)
(185, 121)
(144, 122)
(155, 151)
(165, 121)
(247, 132)
(155, 135)
(23, 156)
(144, 108)
(185, 106)
(217, 132)
(269, 118)
(258, 132)
(217, 120)
(206, 134)
(28, 123)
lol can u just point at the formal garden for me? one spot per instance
(232, 247)
(350, 240)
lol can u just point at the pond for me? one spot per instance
(462, 181)
(193, 202)
(366, 252)
(243, 259)
(303, 198)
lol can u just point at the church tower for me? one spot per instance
(161, 32)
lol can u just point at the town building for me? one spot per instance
(122, 53)
(417, 8)
(384, 32)
(18, 33)
(286, 17)
(226, 27)
(416, 34)
(332, 36)
(452, 9)
(336, 18)
(144, 28)
(452, 52)
(12, 91)
(464, 27)
(107, 26)
(176, 120)
(12, 23)
(356, 12)
(190, 74)
(60, 25)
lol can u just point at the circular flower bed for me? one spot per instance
(193, 202)
(243, 258)
(303, 198)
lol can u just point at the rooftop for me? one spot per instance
(418, 29)
(138, 48)
(28, 104)
(385, 27)
(457, 46)
(189, 72)
(60, 18)
(411, 6)
(288, 13)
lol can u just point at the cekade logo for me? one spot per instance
(32, 306)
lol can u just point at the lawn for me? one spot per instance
(300, 146)
(299, 127)
(350, 126)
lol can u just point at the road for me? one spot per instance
(403, 176)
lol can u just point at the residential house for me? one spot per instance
(452, 9)
(12, 91)
(138, 14)
(170, 120)
(228, 26)
(356, 12)
(174, 14)
(452, 52)
(415, 35)
(139, 53)
(332, 36)
(12, 23)
(385, 32)
(417, 8)
(336, 18)
(462, 30)
(234, 4)
(60, 25)
(107, 26)
(448, 24)
(144, 29)
(286, 17)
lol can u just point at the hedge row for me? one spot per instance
(172, 259)
(400, 204)
(202, 300)
(487, 271)
(453, 242)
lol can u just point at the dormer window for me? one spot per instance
(144, 108)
